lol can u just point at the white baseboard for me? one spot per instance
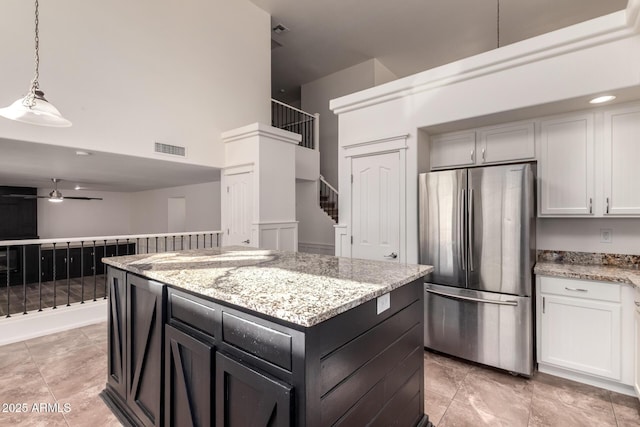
(316, 248)
(588, 379)
(21, 327)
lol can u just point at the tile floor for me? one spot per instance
(70, 368)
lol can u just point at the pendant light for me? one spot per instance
(34, 108)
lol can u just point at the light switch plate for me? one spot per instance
(606, 235)
(383, 303)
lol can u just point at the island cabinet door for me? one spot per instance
(144, 355)
(188, 388)
(116, 331)
(246, 397)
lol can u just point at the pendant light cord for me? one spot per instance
(30, 99)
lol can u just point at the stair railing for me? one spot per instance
(284, 116)
(328, 198)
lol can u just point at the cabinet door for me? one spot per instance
(506, 143)
(621, 161)
(116, 331)
(188, 391)
(453, 150)
(637, 358)
(245, 397)
(567, 166)
(582, 335)
(144, 355)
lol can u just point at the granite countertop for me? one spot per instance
(604, 273)
(619, 268)
(300, 288)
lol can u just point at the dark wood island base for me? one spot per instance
(180, 359)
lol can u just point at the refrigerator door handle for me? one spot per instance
(470, 229)
(461, 297)
(462, 250)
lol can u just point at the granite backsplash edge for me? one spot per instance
(589, 258)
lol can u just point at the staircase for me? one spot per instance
(289, 118)
(328, 197)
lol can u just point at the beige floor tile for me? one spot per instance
(626, 410)
(554, 406)
(435, 405)
(58, 344)
(34, 419)
(444, 375)
(462, 414)
(13, 354)
(498, 393)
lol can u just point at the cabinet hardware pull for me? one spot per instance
(576, 289)
(590, 205)
(637, 303)
(607, 205)
(483, 155)
(246, 241)
(392, 255)
(472, 155)
(543, 305)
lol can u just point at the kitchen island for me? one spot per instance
(239, 337)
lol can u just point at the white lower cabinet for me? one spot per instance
(585, 331)
(636, 382)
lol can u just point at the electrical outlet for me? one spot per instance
(606, 235)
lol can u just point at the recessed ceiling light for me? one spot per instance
(82, 153)
(601, 99)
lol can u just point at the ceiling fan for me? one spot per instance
(54, 196)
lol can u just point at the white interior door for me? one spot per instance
(239, 208)
(375, 199)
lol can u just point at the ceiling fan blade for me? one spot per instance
(82, 198)
(24, 196)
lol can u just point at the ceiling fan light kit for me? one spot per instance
(34, 108)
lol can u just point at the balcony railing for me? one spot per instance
(289, 118)
(48, 273)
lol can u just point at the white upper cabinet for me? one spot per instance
(622, 161)
(566, 166)
(503, 143)
(452, 150)
(506, 143)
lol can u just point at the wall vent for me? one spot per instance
(173, 150)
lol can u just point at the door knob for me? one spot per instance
(246, 241)
(392, 255)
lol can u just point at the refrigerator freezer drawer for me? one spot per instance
(488, 328)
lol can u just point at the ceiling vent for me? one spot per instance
(173, 150)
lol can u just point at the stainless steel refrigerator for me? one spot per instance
(477, 228)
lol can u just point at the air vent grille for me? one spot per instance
(173, 150)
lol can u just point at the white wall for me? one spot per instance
(127, 213)
(149, 209)
(533, 72)
(81, 218)
(314, 225)
(583, 235)
(131, 73)
(315, 99)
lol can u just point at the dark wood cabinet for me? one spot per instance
(135, 376)
(144, 352)
(239, 387)
(188, 389)
(117, 331)
(210, 363)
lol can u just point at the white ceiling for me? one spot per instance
(407, 36)
(28, 164)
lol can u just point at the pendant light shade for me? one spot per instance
(34, 108)
(42, 113)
